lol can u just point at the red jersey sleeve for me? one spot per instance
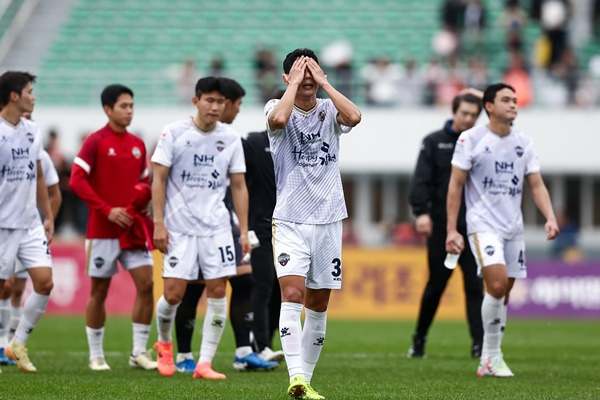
(144, 170)
(79, 182)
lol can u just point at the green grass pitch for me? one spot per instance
(361, 360)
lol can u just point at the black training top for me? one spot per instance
(432, 175)
(260, 179)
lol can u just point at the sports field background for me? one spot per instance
(551, 359)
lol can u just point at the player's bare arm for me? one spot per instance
(239, 193)
(44, 202)
(280, 115)
(55, 198)
(348, 112)
(454, 240)
(159, 188)
(542, 201)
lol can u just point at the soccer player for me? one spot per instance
(11, 298)
(491, 162)
(240, 309)
(23, 236)
(109, 164)
(428, 202)
(192, 163)
(304, 134)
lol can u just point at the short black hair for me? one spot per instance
(209, 84)
(290, 58)
(13, 81)
(467, 98)
(490, 93)
(231, 89)
(111, 94)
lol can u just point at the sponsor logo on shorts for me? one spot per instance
(283, 259)
(285, 331)
(489, 250)
(173, 261)
(519, 150)
(220, 145)
(98, 262)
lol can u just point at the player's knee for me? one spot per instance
(173, 298)
(44, 287)
(145, 287)
(497, 289)
(292, 294)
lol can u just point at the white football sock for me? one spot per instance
(165, 313)
(4, 321)
(491, 315)
(34, 308)
(95, 339)
(141, 332)
(313, 337)
(15, 318)
(290, 332)
(243, 351)
(213, 328)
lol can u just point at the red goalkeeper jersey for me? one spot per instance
(105, 171)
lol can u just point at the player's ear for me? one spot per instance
(107, 110)
(285, 79)
(195, 100)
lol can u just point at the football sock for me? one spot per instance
(243, 351)
(213, 327)
(291, 337)
(95, 338)
(34, 308)
(313, 337)
(240, 309)
(185, 318)
(491, 315)
(4, 320)
(15, 318)
(165, 313)
(141, 332)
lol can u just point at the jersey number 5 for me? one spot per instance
(226, 254)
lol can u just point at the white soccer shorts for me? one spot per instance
(102, 256)
(490, 249)
(189, 255)
(311, 251)
(29, 246)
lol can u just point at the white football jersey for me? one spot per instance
(497, 167)
(200, 163)
(50, 174)
(20, 148)
(306, 160)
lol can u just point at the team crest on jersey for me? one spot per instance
(98, 262)
(283, 259)
(30, 137)
(137, 153)
(519, 150)
(220, 145)
(489, 250)
(173, 261)
(322, 114)
(112, 152)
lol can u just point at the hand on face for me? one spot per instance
(316, 71)
(296, 74)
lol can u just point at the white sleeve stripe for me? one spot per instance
(79, 161)
(145, 174)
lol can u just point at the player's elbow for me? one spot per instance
(353, 119)
(277, 122)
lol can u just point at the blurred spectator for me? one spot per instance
(216, 67)
(478, 75)
(513, 20)
(517, 76)
(405, 234)
(475, 20)
(268, 79)
(382, 80)
(412, 84)
(568, 238)
(567, 71)
(349, 234)
(453, 12)
(454, 81)
(186, 81)
(63, 170)
(338, 57)
(54, 150)
(553, 18)
(434, 75)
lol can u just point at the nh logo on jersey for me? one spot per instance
(173, 261)
(20, 154)
(519, 150)
(283, 259)
(137, 153)
(203, 160)
(112, 152)
(98, 262)
(489, 250)
(503, 167)
(30, 137)
(220, 145)
(309, 137)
